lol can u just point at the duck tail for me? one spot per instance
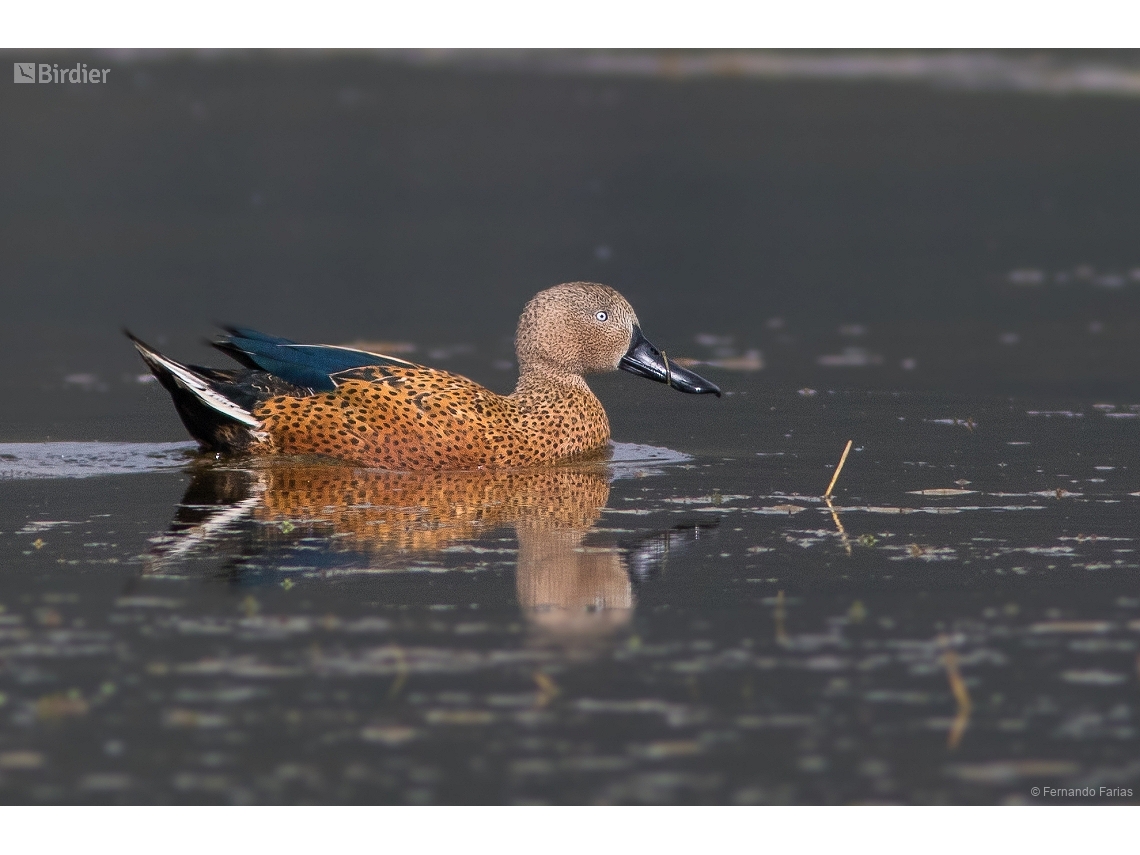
(204, 400)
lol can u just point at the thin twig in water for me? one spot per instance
(401, 673)
(781, 633)
(838, 469)
(547, 689)
(961, 695)
(838, 525)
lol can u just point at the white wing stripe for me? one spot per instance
(193, 383)
(355, 350)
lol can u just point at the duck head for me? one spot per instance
(587, 328)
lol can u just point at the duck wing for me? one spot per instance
(310, 366)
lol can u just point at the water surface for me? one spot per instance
(958, 625)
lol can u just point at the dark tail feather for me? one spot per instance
(205, 402)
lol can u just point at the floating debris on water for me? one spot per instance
(851, 357)
(942, 491)
(1094, 678)
(86, 382)
(749, 361)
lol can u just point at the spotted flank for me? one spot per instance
(382, 412)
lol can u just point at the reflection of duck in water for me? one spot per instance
(379, 411)
(567, 584)
(374, 510)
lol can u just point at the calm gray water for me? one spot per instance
(933, 256)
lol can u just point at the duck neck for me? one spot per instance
(539, 379)
(562, 409)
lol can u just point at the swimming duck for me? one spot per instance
(382, 412)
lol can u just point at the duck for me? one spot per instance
(377, 411)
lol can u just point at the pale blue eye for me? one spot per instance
(602, 316)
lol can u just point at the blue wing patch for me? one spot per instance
(307, 365)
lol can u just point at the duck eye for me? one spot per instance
(602, 316)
